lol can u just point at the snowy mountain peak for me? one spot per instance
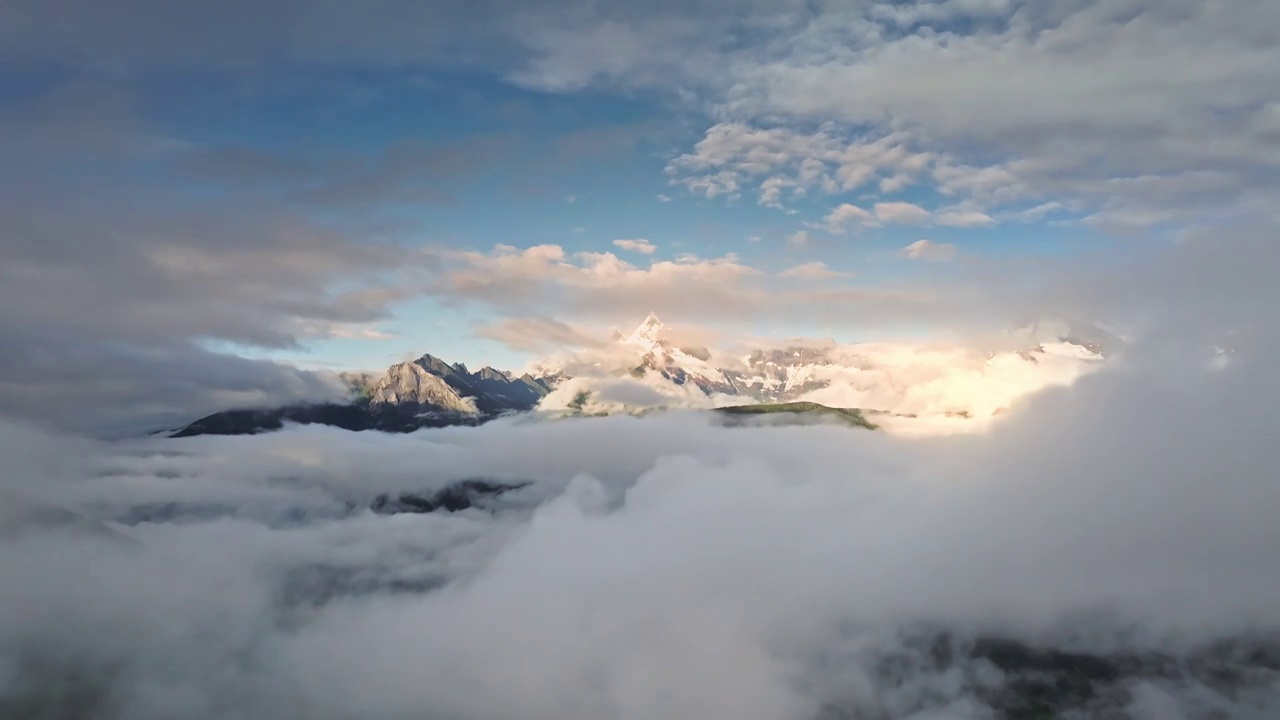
(648, 331)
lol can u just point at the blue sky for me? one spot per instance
(192, 188)
(525, 167)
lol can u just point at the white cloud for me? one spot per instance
(641, 246)
(813, 271)
(571, 199)
(601, 287)
(882, 213)
(1058, 99)
(900, 212)
(663, 198)
(674, 568)
(1037, 212)
(537, 334)
(929, 250)
(786, 163)
(963, 218)
(845, 213)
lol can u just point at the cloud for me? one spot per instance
(963, 218)
(538, 334)
(595, 288)
(929, 250)
(900, 212)
(882, 213)
(662, 198)
(1037, 212)
(641, 246)
(788, 163)
(813, 271)
(363, 333)
(940, 78)
(845, 213)
(106, 386)
(187, 246)
(877, 93)
(799, 238)
(571, 199)
(667, 567)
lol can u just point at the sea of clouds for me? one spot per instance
(665, 566)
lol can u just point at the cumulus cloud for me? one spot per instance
(902, 213)
(929, 250)
(644, 247)
(846, 213)
(678, 568)
(663, 566)
(940, 79)
(788, 163)
(818, 98)
(601, 288)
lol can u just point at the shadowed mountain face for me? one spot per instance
(427, 392)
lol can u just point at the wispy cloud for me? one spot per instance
(798, 238)
(902, 213)
(813, 271)
(929, 250)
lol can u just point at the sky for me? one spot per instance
(207, 206)
(205, 203)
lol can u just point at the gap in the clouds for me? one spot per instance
(420, 326)
(519, 167)
(364, 109)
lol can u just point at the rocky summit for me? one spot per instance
(427, 392)
(896, 379)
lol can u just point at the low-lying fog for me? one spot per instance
(1110, 547)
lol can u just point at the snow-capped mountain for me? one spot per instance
(681, 366)
(644, 368)
(427, 392)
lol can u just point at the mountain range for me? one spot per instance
(645, 369)
(427, 392)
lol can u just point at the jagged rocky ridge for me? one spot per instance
(427, 392)
(430, 392)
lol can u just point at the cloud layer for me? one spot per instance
(655, 566)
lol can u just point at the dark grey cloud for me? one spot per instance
(141, 34)
(115, 387)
